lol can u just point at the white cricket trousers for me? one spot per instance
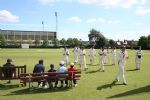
(121, 72)
(101, 62)
(91, 59)
(83, 62)
(138, 63)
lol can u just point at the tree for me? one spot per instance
(2, 40)
(37, 42)
(63, 42)
(45, 43)
(112, 43)
(56, 42)
(76, 42)
(70, 42)
(101, 42)
(94, 34)
(97, 38)
(144, 42)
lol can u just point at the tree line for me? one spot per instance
(96, 39)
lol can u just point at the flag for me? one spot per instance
(56, 14)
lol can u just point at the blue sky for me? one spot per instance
(116, 19)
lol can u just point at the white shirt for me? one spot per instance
(102, 53)
(92, 52)
(139, 53)
(82, 52)
(114, 52)
(76, 50)
(66, 52)
(122, 56)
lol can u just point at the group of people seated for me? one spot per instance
(39, 68)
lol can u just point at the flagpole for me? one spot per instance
(56, 23)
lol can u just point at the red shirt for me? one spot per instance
(71, 69)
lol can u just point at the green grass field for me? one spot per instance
(94, 85)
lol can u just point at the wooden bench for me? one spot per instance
(11, 73)
(40, 77)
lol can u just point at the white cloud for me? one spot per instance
(92, 20)
(139, 23)
(142, 11)
(7, 16)
(75, 19)
(112, 3)
(49, 2)
(106, 21)
(103, 21)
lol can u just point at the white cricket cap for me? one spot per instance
(62, 62)
(71, 64)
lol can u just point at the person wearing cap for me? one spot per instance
(101, 59)
(139, 55)
(62, 68)
(122, 56)
(92, 55)
(113, 56)
(39, 68)
(83, 59)
(76, 54)
(50, 81)
(71, 70)
(9, 69)
(65, 56)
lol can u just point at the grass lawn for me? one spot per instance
(94, 85)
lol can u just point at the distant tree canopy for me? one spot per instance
(144, 41)
(96, 38)
(112, 43)
(71, 42)
(45, 43)
(2, 40)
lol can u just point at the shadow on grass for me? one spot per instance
(8, 86)
(144, 89)
(94, 71)
(107, 86)
(108, 65)
(92, 64)
(131, 70)
(37, 91)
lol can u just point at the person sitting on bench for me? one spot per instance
(62, 68)
(39, 68)
(50, 81)
(9, 70)
(72, 69)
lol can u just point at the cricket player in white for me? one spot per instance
(113, 56)
(122, 56)
(139, 55)
(83, 59)
(107, 56)
(101, 53)
(92, 55)
(76, 51)
(65, 56)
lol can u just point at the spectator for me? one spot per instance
(39, 68)
(72, 69)
(9, 70)
(62, 68)
(52, 80)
